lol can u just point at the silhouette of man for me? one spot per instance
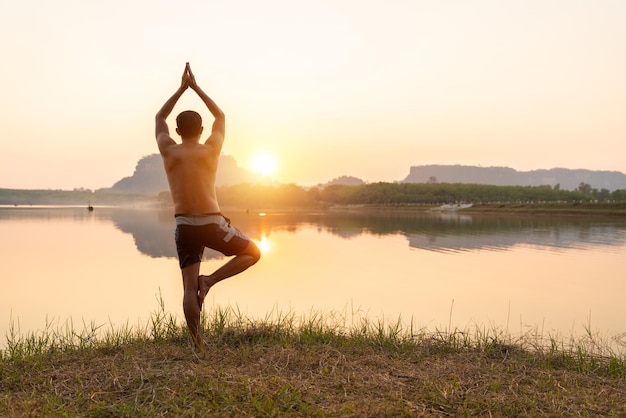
(191, 169)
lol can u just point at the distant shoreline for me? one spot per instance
(617, 209)
(613, 210)
(289, 198)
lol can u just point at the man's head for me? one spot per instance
(189, 124)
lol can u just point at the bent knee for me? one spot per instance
(252, 250)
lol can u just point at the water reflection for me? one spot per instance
(460, 232)
(153, 229)
(446, 232)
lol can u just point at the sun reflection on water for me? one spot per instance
(264, 244)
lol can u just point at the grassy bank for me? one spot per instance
(604, 209)
(313, 366)
(553, 208)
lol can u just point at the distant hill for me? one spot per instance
(149, 176)
(344, 181)
(503, 176)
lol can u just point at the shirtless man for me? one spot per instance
(191, 168)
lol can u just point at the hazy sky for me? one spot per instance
(330, 87)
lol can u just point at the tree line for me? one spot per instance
(247, 195)
(291, 195)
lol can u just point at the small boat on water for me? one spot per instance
(455, 206)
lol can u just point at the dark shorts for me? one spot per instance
(194, 232)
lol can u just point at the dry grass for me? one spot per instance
(291, 366)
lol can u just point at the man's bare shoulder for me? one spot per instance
(187, 149)
(164, 142)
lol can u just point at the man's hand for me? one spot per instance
(191, 79)
(184, 83)
(162, 132)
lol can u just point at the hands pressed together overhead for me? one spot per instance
(188, 79)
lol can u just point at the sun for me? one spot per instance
(264, 163)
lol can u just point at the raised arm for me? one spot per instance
(162, 132)
(216, 139)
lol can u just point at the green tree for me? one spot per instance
(584, 188)
(602, 194)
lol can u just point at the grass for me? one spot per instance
(315, 365)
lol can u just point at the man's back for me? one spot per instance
(191, 171)
(191, 166)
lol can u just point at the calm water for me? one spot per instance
(521, 274)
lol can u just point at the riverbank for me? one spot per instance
(541, 200)
(612, 209)
(311, 366)
(600, 209)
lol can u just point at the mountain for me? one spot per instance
(149, 176)
(567, 179)
(343, 180)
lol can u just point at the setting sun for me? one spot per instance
(264, 163)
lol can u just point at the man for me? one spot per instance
(191, 169)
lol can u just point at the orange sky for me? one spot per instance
(329, 88)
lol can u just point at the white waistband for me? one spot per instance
(198, 220)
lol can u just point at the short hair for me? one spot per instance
(189, 123)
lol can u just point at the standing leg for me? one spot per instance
(241, 262)
(191, 305)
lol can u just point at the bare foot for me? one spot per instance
(204, 285)
(198, 342)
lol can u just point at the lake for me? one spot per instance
(525, 275)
